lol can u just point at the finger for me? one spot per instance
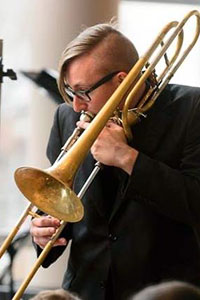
(109, 123)
(82, 124)
(42, 242)
(60, 242)
(112, 124)
(42, 231)
(46, 221)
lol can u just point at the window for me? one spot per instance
(141, 21)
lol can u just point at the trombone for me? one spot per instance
(50, 190)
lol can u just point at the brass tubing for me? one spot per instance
(15, 230)
(39, 261)
(147, 73)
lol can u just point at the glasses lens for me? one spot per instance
(69, 94)
(80, 94)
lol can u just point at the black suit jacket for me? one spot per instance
(138, 229)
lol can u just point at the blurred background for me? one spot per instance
(34, 34)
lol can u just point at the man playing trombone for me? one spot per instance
(141, 212)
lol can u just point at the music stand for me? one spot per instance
(46, 79)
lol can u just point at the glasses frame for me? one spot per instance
(84, 94)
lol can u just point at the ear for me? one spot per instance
(121, 76)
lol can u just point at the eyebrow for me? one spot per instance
(79, 85)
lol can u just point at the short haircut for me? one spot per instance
(118, 53)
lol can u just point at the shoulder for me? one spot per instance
(179, 104)
(66, 119)
(185, 102)
(181, 98)
(66, 113)
(184, 92)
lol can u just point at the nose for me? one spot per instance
(79, 105)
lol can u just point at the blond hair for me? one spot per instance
(58, 294)
(118, 51)
(171, 290)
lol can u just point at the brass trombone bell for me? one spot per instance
(49, 194)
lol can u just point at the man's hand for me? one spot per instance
(43, 228)
(111, 148)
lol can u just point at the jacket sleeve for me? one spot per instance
(55, 139)
(172, 192)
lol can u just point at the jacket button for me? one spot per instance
(102, 284)
(113, 238)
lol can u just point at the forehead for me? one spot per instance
(89, 66)
(81, 70)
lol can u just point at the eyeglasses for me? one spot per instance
(84, 94)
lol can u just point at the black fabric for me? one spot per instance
(145, 235)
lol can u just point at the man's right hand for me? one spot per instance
(43, 228)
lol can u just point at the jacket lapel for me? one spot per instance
(147, 137)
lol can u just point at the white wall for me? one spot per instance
(142, 21)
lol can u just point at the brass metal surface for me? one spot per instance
(49, 194)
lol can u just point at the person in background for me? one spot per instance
(58, 294)
(142, 211)
(172, 290)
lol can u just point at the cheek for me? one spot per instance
(96, 107)
(101, 98)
